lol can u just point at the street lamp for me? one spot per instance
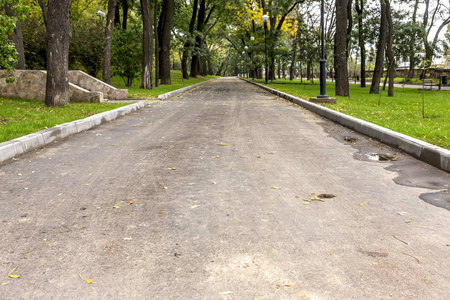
(323, 61)
(243, 66)
(245, 58)
(252, 38)
(265, 18)
(323, 97)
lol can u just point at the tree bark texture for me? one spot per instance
(147, 51)
(389, 51)
(124, 14)
(117, 15)
(165, 32)
(108, 35)
(58, 36)
(340, 49)
(196, 62)
(156, 44)
(188, 44)
(379, 60)
(360, 11)
(16, 37)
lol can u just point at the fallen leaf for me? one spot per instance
(402, 213)
(14, 276)
(222, 144)
(166, 188)
(225, 293)
(87, 280)
(275, 188)
(408, 221)
(361, 204)
(115, 206)
(131, 202)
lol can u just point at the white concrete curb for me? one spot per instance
(182, 90)
(21, 145)
(431, 154)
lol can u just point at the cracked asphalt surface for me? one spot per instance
(203, 197)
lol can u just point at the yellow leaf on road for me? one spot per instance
(275, 188)
(14, 276)
(222, 144)
(115, 206)
(225, 293)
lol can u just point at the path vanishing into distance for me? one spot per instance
(223, 192)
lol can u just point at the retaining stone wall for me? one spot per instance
(31, 84)
(90, 83)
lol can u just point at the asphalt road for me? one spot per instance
(203, 196)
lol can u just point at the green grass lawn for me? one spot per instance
(401, 113)
(177, 83)
(19, 117)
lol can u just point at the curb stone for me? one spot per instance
(21, 145)
(436, 156)
(182, 90)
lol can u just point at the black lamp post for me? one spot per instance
(265, 18)
(245, 59)
(252, 68)
(323, 61)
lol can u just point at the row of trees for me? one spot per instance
(217, 37)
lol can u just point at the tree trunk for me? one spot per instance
(360, 10)
(156, 35)
(165, 33)
(196, 63)
(379, 60)
(412, 41)
(147, 51)
(340, 49)
(58, 35)
(108, 36)
(117, 15)
(389, 51)
(16, 37)
(188, 43)
(124, 14)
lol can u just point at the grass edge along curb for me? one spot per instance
(27, 143)
(426, 152)
(182, 90)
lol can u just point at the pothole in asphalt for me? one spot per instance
(440, 199)
(350, 139)
(381, 157)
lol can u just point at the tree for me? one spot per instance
(127, 53)
(107, 47)
(430, 17)
(389, 51)
(359, 7)
(147, 46)
(379, 60)
(16, 36)
(340, 49)
(278, 12)
(87, 45)
(188, 43)
(165, 33)
(156, 35)
(58, 35)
